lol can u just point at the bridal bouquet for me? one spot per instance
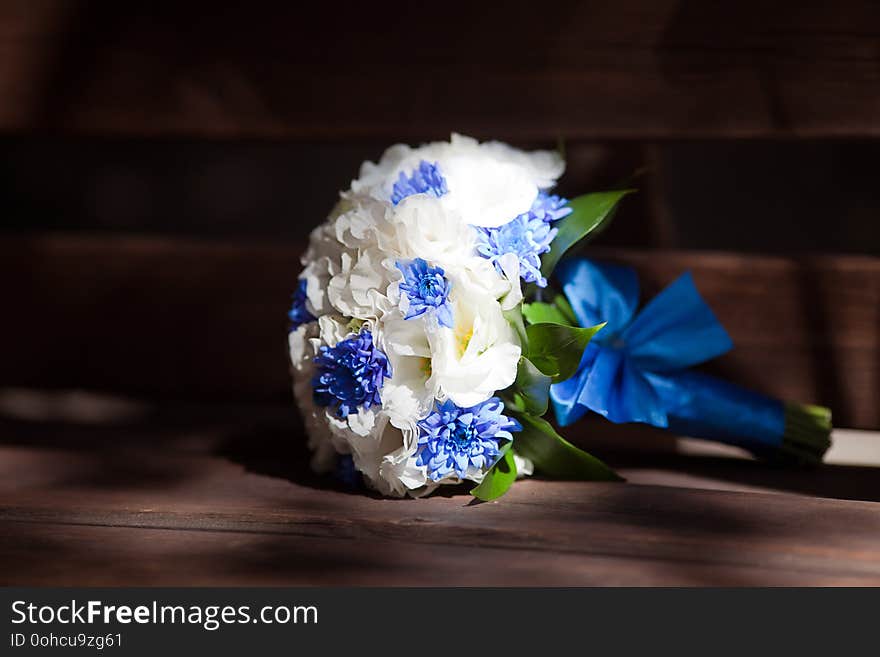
(426, 344)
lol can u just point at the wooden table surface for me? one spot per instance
(107, 492)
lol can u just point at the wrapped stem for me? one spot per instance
(706, 407)
(807, 434)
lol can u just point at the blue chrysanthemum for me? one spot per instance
(426, 288)
(350, 374)
(550, 207)
(452, 439)
(299, 314)
(425, 179)
(528, 236)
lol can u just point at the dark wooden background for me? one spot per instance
(581, 70)
(161, 165)
(177, 319)
(223, 120)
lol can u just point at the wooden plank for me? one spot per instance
(268, 439)
(636, 68)
(64, 555)
(191, 320)
(199, 514)
(778, 196)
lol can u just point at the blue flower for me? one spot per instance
(528, 236)
(550, 207)
(451, 439)
(299, 314)
(425, 179)
(427, 289)
(350, 374)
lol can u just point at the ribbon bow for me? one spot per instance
(636, 369)
(623, 374)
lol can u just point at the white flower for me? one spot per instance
(387, 462)
(399, 472)
(409, 394)
(355, 219)
(422, 227)
(485, 191)
(297, 342)
(524, 466)
(376, 178)
(481, 273)
(331, 329)
(488, 184)
(322, 244)
(367, 451)
(358, 289)
(365, 421)
(317, 276)
(543, 167)
(479, 356)
(321, 262)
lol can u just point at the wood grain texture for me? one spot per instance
(636, 68)
(222, 495)
(178, 319)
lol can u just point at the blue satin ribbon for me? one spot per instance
(636, 368)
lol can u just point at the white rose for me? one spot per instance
(543, 167)
(484, 191)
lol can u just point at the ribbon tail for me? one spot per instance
(702, 406)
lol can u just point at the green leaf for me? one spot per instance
(556, 349)
(565, 308)
(558, 312)
(539, 313)
(530, 392)
(590, 213)
(514, 317)
(499, 477)
(554, 456)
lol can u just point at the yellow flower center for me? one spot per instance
(463, 339)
